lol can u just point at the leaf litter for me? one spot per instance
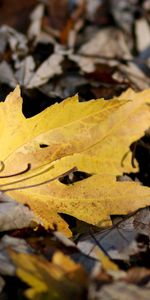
(98, 149)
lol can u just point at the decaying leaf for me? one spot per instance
(126, 238)
(49, 68)
(14, 215)
(104, 45)
(60, 279)
(7, 267)
(6, 74)
(92, 136)
(106, 262)
(120, 290)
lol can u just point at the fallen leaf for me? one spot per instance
(49, 68)
(135, 75)
(120, 290)
(107, 263)
(143, 41)
(120, 241)
(93, 136)
(19, 245)
(123, 14)
(36, 22)
(14, 215)
(138, 275)
(60, 279)
(104, 44)
(90, 130)
(6, 73)
(25, 70)
(16, 41)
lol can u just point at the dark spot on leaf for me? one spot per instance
(43, 145)
(73, 177)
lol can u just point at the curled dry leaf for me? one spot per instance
(92, 136)
(49, 68)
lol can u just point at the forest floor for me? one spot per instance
(55, 50)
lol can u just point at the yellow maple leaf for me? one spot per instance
(93, 136)
(60, 279)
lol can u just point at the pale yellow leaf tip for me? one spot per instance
(76, 97)
(14, 95)
(130, 94)
(72, 99)
(17, 90)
